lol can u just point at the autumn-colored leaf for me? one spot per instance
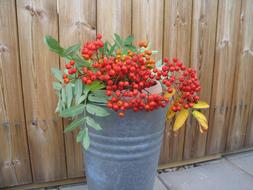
(180, 119)
(170, 114)
(169, 95)
(201, 105)
(201, 119)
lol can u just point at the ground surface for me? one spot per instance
(233, 172)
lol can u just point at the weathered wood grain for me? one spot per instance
(177, 38)
(147, 23)
(227, 43)
(14, 155)
(202, 59)
(77, 23)
(243, 85)
(213, 36)
(35, 20)
(113, 16)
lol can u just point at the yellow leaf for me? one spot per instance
(180, 119)
(201, 119)
(201, 105)
(201, 130)
(168, 95)
(170, 114)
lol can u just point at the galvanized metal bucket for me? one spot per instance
(124, 155)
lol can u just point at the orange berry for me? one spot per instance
(66, 80)
(121, 114)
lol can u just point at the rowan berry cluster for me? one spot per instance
(91, 48)
(127, 76)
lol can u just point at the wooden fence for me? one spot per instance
(213, 36)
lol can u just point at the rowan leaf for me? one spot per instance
(78, 89)
(169, 95)
(57, 86)
(80, 135)
(92, 123)
(53, 45)
(201, 105)
(72, 49)
(72, 111)
(98, 99)
(57, 74)
(180, 119)
(201, 118)
(170, 114)
(96, 85)
(129, 40)
(97, 110)
(74, 124)
(86, 139)
(69, 94)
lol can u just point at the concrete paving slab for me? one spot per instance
(243, 161)
(217, 175)
(158, 186)
(75, 187)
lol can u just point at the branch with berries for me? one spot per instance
(105, 76)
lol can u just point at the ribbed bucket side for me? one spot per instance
(124, 155)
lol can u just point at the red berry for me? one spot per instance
(68, 66)
(186, 106)
(74, 70)
(66, 80)
(64, 76)
(174, 59)
(99, 36)
(72, 62)
(108, 93)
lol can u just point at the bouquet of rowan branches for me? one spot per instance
(100, 76)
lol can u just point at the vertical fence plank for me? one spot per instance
(177, 38)
(147, 21)
(202, 59)
(243, 86)
(14, 156)
(35, 20)
(113, 16)
(225, 61)
(249, 133)
(77, 23)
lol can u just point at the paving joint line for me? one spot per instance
(238, 167)
(164, 184)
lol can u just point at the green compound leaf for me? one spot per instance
(97, 110)
(98, 98)
(72, 111)
(57, 74)
(78, 89)
(71, 50)
(80, 135)
(74, 124)
(129, 40)
(57, 86)
(96, 85)
(92, 123)
(86, 139)
(69, 94)
(53, 45)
